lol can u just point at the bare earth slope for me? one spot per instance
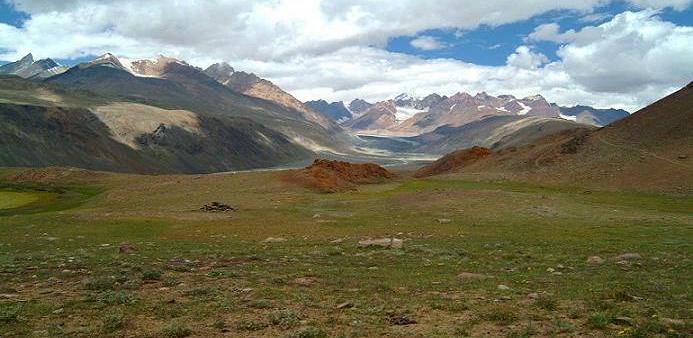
(649, 151)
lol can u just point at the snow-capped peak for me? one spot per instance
(534, 98)
(405, 97)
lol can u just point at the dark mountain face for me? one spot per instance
(61, 136)
(167, 116)
(335, 110)
(593, 116)
(358, 106)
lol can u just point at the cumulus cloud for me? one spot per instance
(634, 50)
(525, 58)
(427, 43)
(334, 49)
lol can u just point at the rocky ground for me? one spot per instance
(134, 256)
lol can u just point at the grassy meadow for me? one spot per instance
(479, 259)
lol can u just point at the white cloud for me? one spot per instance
(333, 49)
(525, 58)
(427, 43)
(634, 50)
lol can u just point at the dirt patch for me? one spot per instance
(335, 176)
(54, 174)
(453, 162)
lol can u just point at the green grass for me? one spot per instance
(12, 199)
(210, 273)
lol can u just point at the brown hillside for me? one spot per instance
(651, 150)
(453, 162)
(334, 176)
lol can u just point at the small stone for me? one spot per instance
(337, 241)
(126, 248)
(58, 311)
(560, 266)
(400, 320)
(669, 322)
(345, 305)
(444, 220)
(533, 295)
(550, 269)
(595, 260)
(631, 256)
(624, 321)
(305, 281)
(274, 240)
(394, 243)
(467, 276)
(503, 287)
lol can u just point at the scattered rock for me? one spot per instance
(58, 311)
(305, 281)
(444, 220)
(631, 256)
(274, 240)
(503, 287)
(550, 269)
(533, 295)
(682, 157)
(467, 276)
(624, 321)
(669, 322)
(126, 248)
(337, 241)
(345, 305)
(394, 243)
(217, 207)
(595, 260)
(400, 320)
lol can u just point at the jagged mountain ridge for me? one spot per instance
(409, 116)
(252, 85)
(336, 111)
(406, 115)
(27, 67)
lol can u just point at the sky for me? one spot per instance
(604, 53)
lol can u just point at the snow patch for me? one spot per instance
(453, 106)
(405, 113)
(534, 98)
(525, 109)
(568, 117)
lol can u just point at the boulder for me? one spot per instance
(393, 243)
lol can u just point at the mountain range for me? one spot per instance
(164, 115)
(406, 115)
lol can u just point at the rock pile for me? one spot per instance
(217, 207)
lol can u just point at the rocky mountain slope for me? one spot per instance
(592, 116)
(28, 68)
(650, 150)
(49, 125)
(173, 84)
(335, 111)
(153, 116)
(252, 85)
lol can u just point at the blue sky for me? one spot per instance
(487, 45)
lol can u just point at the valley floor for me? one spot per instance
(479, 259)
